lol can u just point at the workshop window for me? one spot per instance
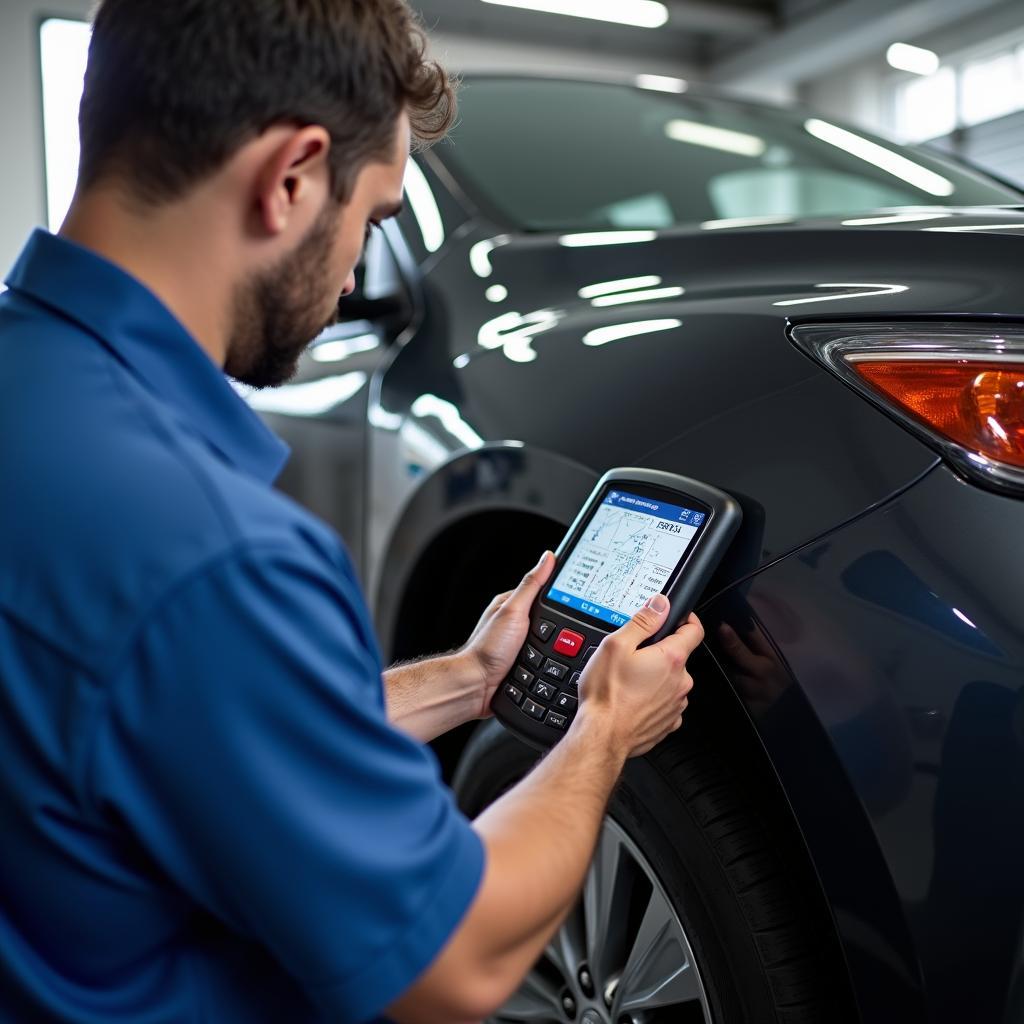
(926, 106)
(63, 51)
(990, 88)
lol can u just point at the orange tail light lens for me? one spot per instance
(959, 386)
(979, 406)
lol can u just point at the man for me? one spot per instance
(212, 810)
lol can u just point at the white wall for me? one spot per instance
(22, 173)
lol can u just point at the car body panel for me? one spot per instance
(699, 392)
(886, 619)
(909, 650)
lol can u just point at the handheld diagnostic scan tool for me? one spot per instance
(641, 532)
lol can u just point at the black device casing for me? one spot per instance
(539, 697)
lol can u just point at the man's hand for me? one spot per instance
(641, 694)
(501, 631)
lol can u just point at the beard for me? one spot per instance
(277, 312)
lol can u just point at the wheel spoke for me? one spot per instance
(563, 950)
(659, 970)
(536, 1000)
(599, 893)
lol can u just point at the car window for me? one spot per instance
(552, 155)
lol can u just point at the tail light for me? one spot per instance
(961, 388)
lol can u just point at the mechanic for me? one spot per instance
(213, 810)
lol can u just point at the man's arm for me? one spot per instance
(630, 700)
(427, 698)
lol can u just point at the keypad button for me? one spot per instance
(554, 670)
(555, 720)
(533, 709)
(589, 654)
(574, 681)
(522, 677)
(569, 643)
(532, 656)
(513, 693)
(546, 691)
(542, 629)
(566, 702)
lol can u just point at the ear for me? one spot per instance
(294, 177)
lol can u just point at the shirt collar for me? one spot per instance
(131, 321)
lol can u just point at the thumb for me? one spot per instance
(647, 621)
(532, 582)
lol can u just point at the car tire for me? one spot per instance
(700, 819)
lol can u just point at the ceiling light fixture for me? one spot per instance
(915, 59)
(882, 158)
(639, 13)
(661, 83)
(698, 134)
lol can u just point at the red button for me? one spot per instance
(569, 643)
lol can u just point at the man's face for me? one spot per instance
(280, 311)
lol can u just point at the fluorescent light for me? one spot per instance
(875, 289)
(514, 332)
(698, 134)
(882, 158)
(894, 218)
(642, 296)
(480, 255)
(963, 618)
(342, 348)
(915, 59)
(661, 83)
(496, 293)
(587, 238)
(592, 291)
(424, 207)
(451, 419)
(616, 332)
(979, 227)
(743, 222)
(641, 13)
(383, 419)
(310, 399)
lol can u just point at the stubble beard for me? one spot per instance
(277, 313)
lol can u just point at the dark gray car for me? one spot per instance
(829, 327)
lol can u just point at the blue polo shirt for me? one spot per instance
(205, 816)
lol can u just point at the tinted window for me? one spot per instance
(552, 155)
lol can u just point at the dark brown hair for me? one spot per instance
(174, 87)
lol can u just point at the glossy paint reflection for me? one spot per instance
(914, 671)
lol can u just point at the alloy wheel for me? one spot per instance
(621, 957)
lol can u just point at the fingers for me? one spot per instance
(532, 582)
(646, 622)
(684, 641)
(496, 602)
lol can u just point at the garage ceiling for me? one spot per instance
(698, 31)
(748, 43)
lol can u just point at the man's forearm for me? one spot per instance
(544, 830)
(427, 698)
(539, 839)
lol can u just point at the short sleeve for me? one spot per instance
(246, 746)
